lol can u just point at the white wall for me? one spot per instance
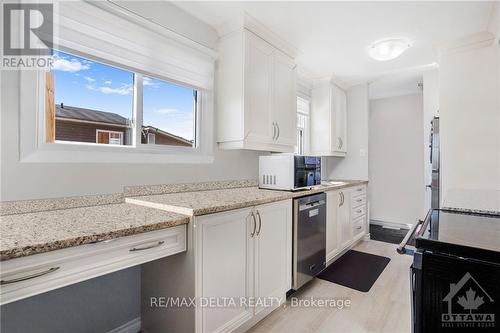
(396, 170)
(110, 306)
(355, 164)
(431, 107)
(470, 120)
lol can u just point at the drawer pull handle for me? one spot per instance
(359, 211)
(134, 249)
(31, 276)
(359, 200)
(358, 227)
(359, 189)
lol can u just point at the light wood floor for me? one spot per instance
(385, 308)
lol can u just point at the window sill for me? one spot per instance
(91, 153)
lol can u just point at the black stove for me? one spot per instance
(455, 276)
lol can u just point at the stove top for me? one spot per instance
(447, 231)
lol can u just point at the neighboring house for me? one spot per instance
(154, 135)
(86, 125)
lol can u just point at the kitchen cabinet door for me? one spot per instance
(259, 63)
(273, 250)
(332, 230)
(344, 218)
(340, 110)
(285, 99)
(329, 120)
(225, 266)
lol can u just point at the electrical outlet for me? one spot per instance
(362, 153)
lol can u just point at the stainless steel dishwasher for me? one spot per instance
(309, 238)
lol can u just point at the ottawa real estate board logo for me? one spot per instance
(28, 34)
(468, 305)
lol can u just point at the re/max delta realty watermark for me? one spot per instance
(28, 36)
(238, 302)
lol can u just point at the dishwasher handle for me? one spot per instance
(311, 205)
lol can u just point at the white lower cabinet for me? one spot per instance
(243, 255)
(332, 230)
(346, 219)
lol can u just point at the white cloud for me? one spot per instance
(108, 82)
(65, 65)
(89, 79)
(148, 82)
(166, 111)
(123, 90)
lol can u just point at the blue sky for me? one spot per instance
(91, 85)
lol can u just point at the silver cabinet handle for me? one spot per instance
(260, 222)
(341, 199)
(31, 276)
(357, 228)
(274, 131)
(359, 200)
(134, 249)
(254, 224)
(359, 211)
(359, 189)
(279, 132)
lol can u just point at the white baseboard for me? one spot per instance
(132, 326)
(391, 224)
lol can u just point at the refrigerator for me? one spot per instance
(434, 160)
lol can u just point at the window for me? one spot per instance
(301, 146)
(94, 102)
(109, 137)
(168, 112)
(91, 98)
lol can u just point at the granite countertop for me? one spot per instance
(37, 232)
(473, 201)
(212, 201)
(37, 226)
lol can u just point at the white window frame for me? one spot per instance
(306, 129)
(153, 135)
(109, 132)
(189, 67)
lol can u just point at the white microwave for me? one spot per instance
(289, 172)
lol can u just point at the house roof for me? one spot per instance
(72, 113)
(151, 129)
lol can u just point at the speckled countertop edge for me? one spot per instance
(133, 191)
(43, 205)
(161, 201)
(19, 208)
(40, 232)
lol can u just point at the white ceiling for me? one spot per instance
(332, 37)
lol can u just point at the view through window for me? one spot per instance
(93, 103)
(168, 112)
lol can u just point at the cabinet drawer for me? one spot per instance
(358, 226)
(32, 275)
(358, 211)
(357, 191)
(358, 201)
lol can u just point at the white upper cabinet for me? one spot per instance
(256, 94)
(329, 121)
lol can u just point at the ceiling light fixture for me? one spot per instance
(388, 49)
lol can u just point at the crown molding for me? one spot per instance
(467, 43)
(246, 21)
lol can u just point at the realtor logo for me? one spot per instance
(27, 29)
(468, 305)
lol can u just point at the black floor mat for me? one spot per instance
(356, 270)
(388, 235)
